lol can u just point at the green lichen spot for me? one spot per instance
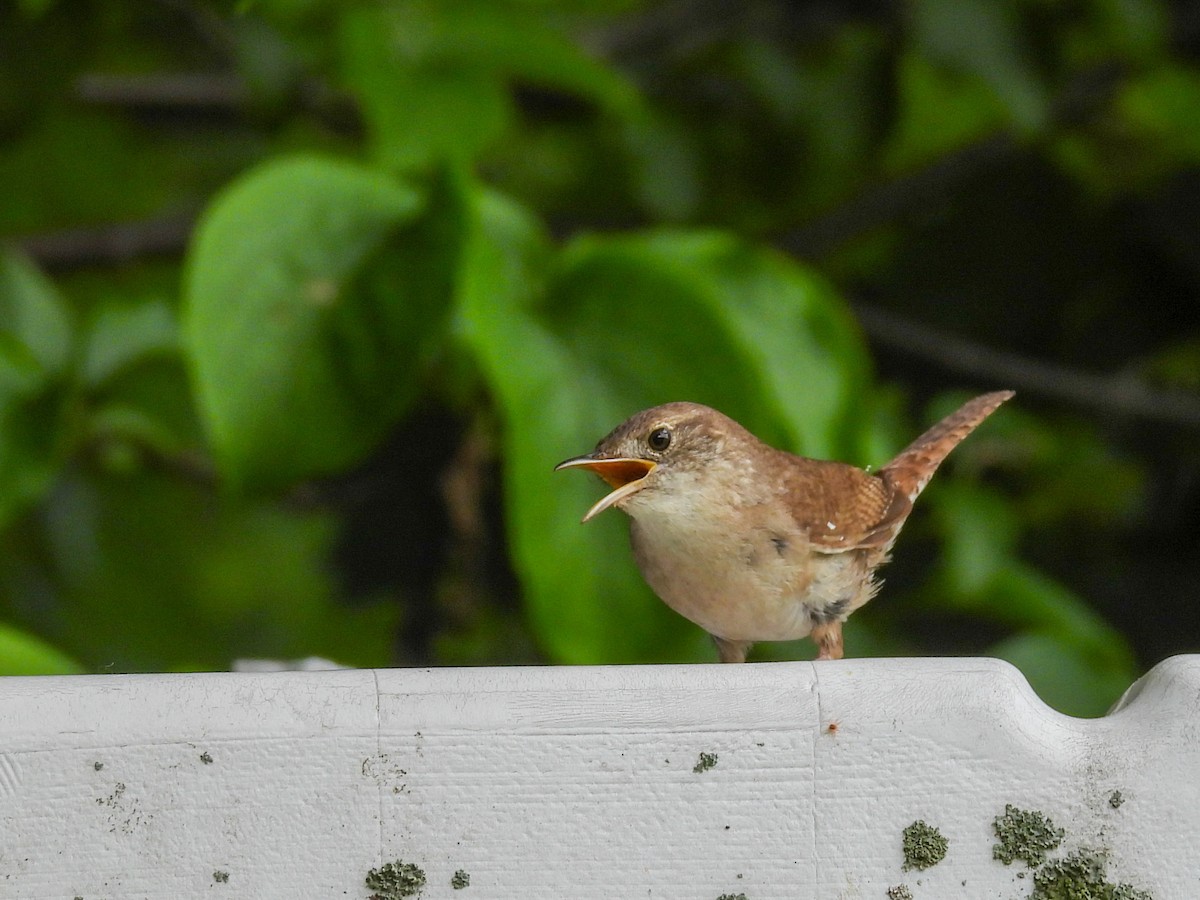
(924, 846)
(460, 880)
(1115, 799)
(705, 762)
(900, 892)
(1081, 876)
(1129, 892)
(1024, 834)
(221, 877)
(395, 880)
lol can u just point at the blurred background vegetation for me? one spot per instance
(301, 300)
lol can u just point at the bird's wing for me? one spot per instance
(844, 508)
(841, 507)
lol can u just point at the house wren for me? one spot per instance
(753, 543)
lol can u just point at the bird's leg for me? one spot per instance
(732, 651)
(828, 639)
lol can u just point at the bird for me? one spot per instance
(753, 543)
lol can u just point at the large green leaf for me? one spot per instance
(586, 602)
(301, 358)
(666, 309)
(798, 334)
(1067, 676)
(433, 81)
(24, 654)
(623, 324)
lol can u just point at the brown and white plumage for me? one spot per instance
(754, 543)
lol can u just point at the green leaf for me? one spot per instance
(149, 408)
(298, 364)
(1028, 599)
(1065, 674)
(983, 38)
(547, 416)
(939, 111)
(671, 309)
(1160, 108)
(517, 45)
(122, 334)
(35, 350)
(417, 115)
(433, 81)
(796, 332)
(666, 166)
(31, 449)
(645, 325)
(35, 326)
(979, 528)
(24, 654)
(623, 324)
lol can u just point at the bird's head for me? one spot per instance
(656, 453)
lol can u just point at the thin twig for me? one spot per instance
(177, 91)
(1114, 394)
(114, 242)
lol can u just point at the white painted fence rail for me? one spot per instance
(772, 781)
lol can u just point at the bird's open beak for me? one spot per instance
(625, 474)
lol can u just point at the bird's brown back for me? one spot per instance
(842, 507)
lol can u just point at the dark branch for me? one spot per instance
(109, 244)
(1119, 394)
(182, 91)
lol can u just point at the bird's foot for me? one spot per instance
(732, 651)
(828, 639)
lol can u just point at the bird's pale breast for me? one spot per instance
(763, 584)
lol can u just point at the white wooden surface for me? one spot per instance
(579, 783)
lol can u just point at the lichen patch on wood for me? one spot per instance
(1024, 834)
(1081, 876)
(395, 880)
(705, 762)
(924, 846)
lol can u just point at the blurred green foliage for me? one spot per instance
(442, 246)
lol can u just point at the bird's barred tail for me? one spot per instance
(912, 468)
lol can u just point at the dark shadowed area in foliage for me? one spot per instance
(301, 302)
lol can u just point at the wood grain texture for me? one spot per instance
(583, 782)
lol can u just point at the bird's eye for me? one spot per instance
(659, 439)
